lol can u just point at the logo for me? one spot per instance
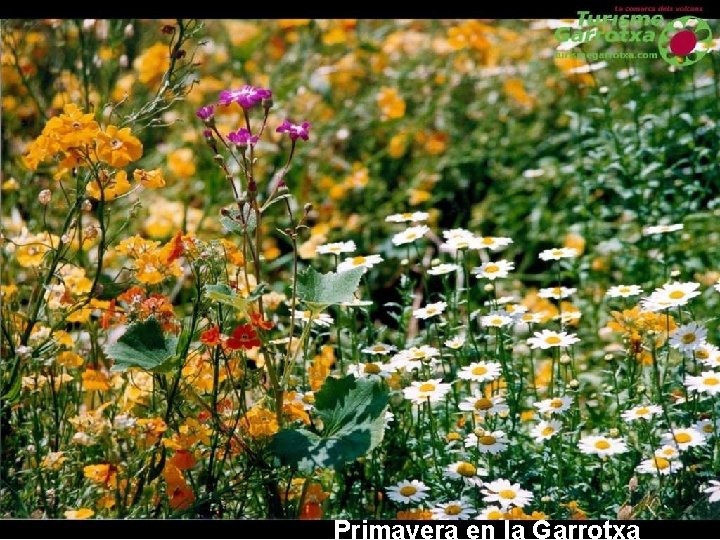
(679, 40)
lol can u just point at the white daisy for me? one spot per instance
(713, 489)
(495, 320)
(455, 343)
(556, 292)
(413, 217)
(671, 295)
(602, 446)
(367, 261)
(708, 354)
(323, 319)
(371, 370)
(661, 229)
(707, 383)
(532, 318)
(336, 248)
(407, 491)
(379, 348)
(688, 337)
(659, 465)
(456, 239)
(487, 442)
(452, 510)
(490, 512)
(515, 309)
(506, 494)
(684, 438)
(717, 285)
(667, 451)
(623, 291)
(421, 391)
(483, 406)
(430, 310)
(469, 473)
(705, 426)
(494, 270)
(495, 243)
(442, 269)
(558, 253)
(549, 338)
(644, 412)
(356, 303)
(480, 372)
(545, 430)
(554, 405)
(414, 357)
(410, 235)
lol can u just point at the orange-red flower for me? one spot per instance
(211, 336)
(243, 337)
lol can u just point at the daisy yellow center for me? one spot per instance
(624, 290)
(373, 369)
(357, 261)
(431, 310)
(676, 295)
(556, 403)
(418, 354)
(427, 387)
(488, 240)
(453, 509)
(702, 354)
(496, 320)
(557, 252)
(495, 514)
(492, 268)
(602, 445)
(552, 340)
(683, 438)
(378, 348)
(479, 370)
(453, 436)
(407, 216)
(688, 338)
(707, 428)
(669, 452)
(548, 430)
(507, 494)
(466, 469)
(661, 463)
(527, 317)
(408, 491)
(487, 440)
(483, 404)
(411, 235)
(556, 290)
(642, 410)
(711, 381)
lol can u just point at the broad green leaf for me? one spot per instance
(234, 221)
(321, 290)
(353, 415)
(143, 345)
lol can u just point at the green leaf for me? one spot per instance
(321, 290)
(353, 415)
(225, 295)
(143, 345)
(235, 221)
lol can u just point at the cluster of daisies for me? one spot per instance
(432, 375)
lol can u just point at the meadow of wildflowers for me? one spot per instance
(355, 269)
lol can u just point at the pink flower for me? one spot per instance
(205, 113)
(295, 130)
(242, 137)
(246, 96)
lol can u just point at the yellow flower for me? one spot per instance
(69, 359)
(93, 379)
(180, 163)
(104, 474)
(31, 249)
(359, 177)
(398, 145)
(320, 367)
(152, 64)
(391, 103)
(118, 147)
(53, 460)
(259, 422)
(419, 196)
(575, 241)
(241, 32)
(80, 513)
(111, 188)
(516, 90)
(149, 179)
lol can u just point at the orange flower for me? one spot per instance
(112, 187)
(150, 179)
(153, 63)
(391, 103)
(320, 368)
(93, 379)
(183, 459)
(80, 513)
(417, 514)
(118, 147)
(104, 474)
(211, 336)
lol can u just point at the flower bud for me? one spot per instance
(489, 287)
(614, 432)
(267, 104)
(633, 483)
(219, 159)
(564, 359)
(87, 205)
(129, 31)
(44, 197)
(574, 384)
(252, 186)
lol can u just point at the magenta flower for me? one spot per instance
(246, 97)
(242, 137)
(295, 130)
(205, 113)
